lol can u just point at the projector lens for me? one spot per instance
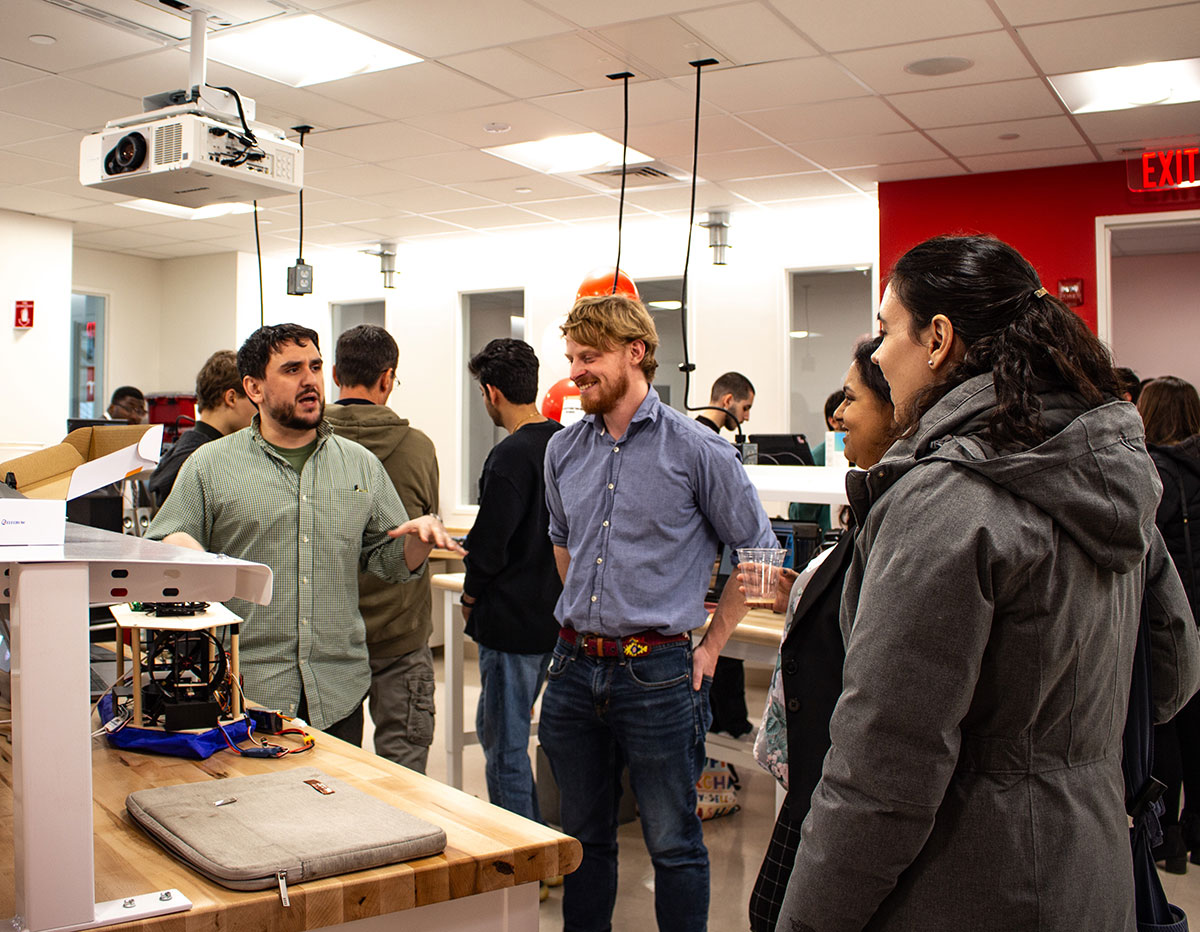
(127, 155)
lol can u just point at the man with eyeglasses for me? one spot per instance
(127, 404)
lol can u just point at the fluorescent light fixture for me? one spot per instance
(667, 305)
(581, 152)
(303, 49)
(187, 213)
(1152, 84)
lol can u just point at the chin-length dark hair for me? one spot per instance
(1028, 341)
(1170, 409)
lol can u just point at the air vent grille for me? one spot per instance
(168, 143)
(648, 174)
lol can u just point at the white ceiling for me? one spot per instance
(810, 101)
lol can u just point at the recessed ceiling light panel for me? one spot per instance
(303, 49)
(1155, 83)
(579, 152)
(934, 67)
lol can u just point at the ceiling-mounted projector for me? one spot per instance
(190, 159)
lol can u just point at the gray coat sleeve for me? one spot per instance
(1174, 644)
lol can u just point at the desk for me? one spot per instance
(486, 878)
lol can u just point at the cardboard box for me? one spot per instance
(87, 459)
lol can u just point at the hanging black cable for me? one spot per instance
(624, 76)
(303, 131)
(262, 314)
(687, 366)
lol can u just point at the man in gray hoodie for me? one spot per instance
(398, 618)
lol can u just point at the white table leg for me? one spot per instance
(453, 647)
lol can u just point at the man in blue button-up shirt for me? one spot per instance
(638, 495)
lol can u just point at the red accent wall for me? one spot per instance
(1049, 214)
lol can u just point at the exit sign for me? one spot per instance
(1162, 170)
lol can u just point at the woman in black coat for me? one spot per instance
(811, 655)
(1170, 409)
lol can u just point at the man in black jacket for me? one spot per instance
(222, 407)
(511, 584)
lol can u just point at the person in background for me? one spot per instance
(729, 403)
(398, 616)
(221, 407)
(990, 614)
(127, 404)
(794, 737)
(819, 514)
(315, 508)
(1131, 386)
(1170, 409)
(511, 583)
(639, 495)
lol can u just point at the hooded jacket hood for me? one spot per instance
(377, 427)
(1185, 455)
(1092, 476)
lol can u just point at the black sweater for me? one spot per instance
(510, 562)
(1179, 469)
(188, 443)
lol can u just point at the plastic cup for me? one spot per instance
(759, 570)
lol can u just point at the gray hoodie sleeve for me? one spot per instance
(1174, 644)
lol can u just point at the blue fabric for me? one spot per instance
(599, 714)
(511, 683)
(641, 516)
(175, 743)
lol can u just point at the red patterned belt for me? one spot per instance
(633, 645)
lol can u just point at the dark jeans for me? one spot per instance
(599, 714)
(349, 729)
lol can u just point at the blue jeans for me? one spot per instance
(599, 714)
(511, 683)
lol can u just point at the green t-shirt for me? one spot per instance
(297, 456)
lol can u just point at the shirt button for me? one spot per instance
(599, 559)
(616, 449)
(793, 705)
(593, 598)
(305, 538)
(303, 498)
(303, 621)
(304, 579)
(605, 524)
(611, 486)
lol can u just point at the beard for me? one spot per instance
(604, 399)
(285, 415)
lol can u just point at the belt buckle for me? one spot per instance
(635, 647)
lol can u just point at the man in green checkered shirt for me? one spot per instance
(312, 506)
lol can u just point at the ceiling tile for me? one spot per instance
(19, 169)
(318, 160)
(674, 141)
(62, 149)
(527, 123)
(663, 45)
(380, 142)
(67, 103)
(425, 87)
(482, 218)
(402, 227)
(978, 103)
(457, 167)
(16, 129)
(778, 84)
(748, 33)
(902, 171)
(602, 108)
(789, 187)
(108, 215)
(511, 73)
(852, 151)
(160, 70)
(858, 116)
(984, 139)
(180, 250)
(589, 14)
(120, 239)
(859, 24)
(1133, 148)
(995, 55)
(12, 73)
(35, 200)
(1142, 122)
(595, 207)
(541, 187)
(195, 229)
(81, 40)
(1024, 12)
(750, 163)
(338, 210)
(1036, 158)
(359, 180)
(1121, 39)
(285, 106)
(678, 197)
(574, 56)
(338, 234)
(432, 30)
(430, 199)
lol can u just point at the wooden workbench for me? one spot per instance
(490, 853)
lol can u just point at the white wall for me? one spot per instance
(738, 315)
(199, 316)
(35, 377)
(1156, 314)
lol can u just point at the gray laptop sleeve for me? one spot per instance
(250, 833)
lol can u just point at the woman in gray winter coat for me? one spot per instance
(990, 613)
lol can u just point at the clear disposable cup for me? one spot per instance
(759, 568)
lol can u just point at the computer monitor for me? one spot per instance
(782, 450)
(74, 423)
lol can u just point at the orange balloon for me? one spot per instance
(599, 283)
(556, 394)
